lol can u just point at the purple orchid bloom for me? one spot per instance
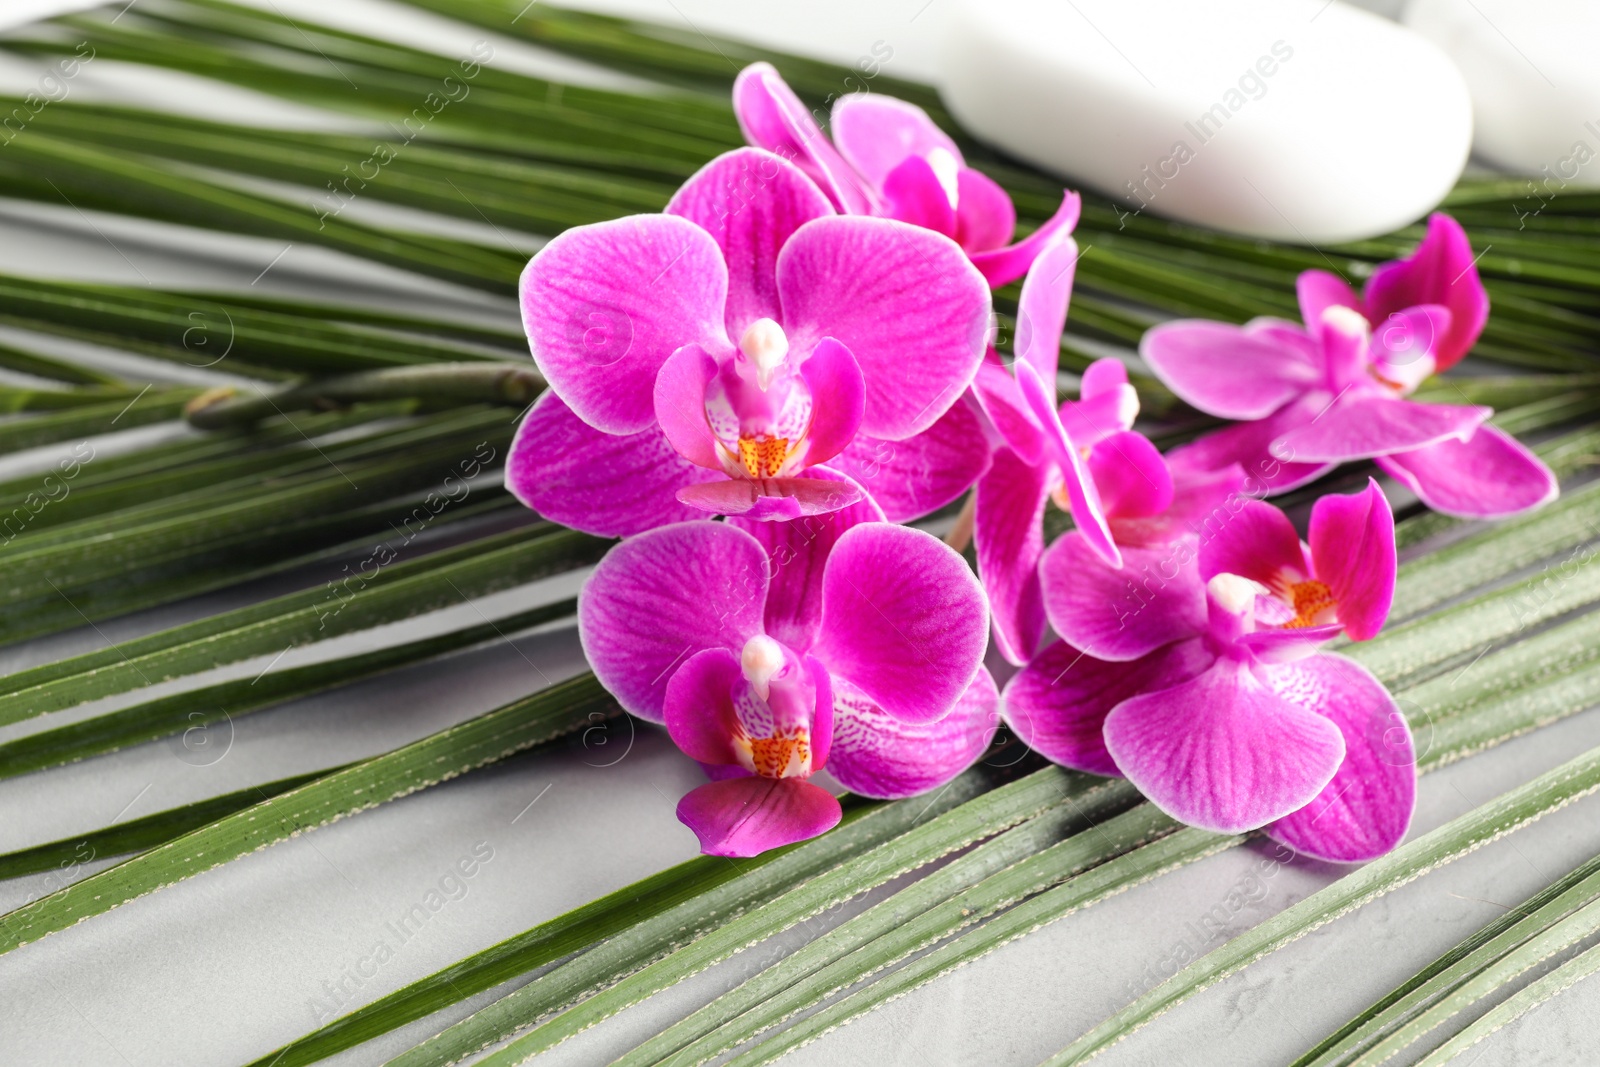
(1310, 398)
(711, 359)
(1212, 697)
(771, 650)
(1083, 455)
(889, 159)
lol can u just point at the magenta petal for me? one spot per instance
(1488, 476)
(1008, 536)
(771, 499)
(1042, 308)
(1002, 266)
(1255, 541)
(1360, 426)
(699, 706)
(1225, 370)
(1248, 445)
(1366, 809)
(600, 483)
(657, 599)
(876, 754)
(1082, 497)
(903, 300)
(1130, 476)
(798, 550)
(1442, 270)
(605, 305)
(1156, 598)
(876, 133)
(680, 404)
(903, 619)
(1058, 703)
(1001, 402)
(1201, 500)
(750, 202)
(839, 396)
(744, 817)
(1223, 751)
(985, 216)
(923, 473)
(1353, 551)
(1320, 290)
(912, 193)
(772, 117)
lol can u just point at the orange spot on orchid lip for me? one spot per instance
(763, 457)
(780, 757)
(1312, 600)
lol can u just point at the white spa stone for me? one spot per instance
(1531, 68)
(1298, 120)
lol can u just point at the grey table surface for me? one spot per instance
(227, 965)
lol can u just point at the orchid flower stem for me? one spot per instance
(461, 383)
(960, 535)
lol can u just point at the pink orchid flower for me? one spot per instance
(711, 359)
(764, 648)
(1083, 455)
(1212, 697)
(1336, 390)
(888, 158)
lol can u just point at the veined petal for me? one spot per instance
(771, 499)
(904, 300)
(1353, 551)
(838, 398)
(877, 133)
(603, 484)
(1249, 446)
(1001, 401)
(751, 202)
(903, 619)
(1256, 541)
(923, 473)
(799, 550)
(1490, 475)
(876, 754)
(772, 117)
(659, 598)
(1224, 370)
(1365, 810)
(985, 216)
(1361, 426)
(744, 817)
(1131, 476)
(1002, 266)
(1442, 270)
(680, 404)
(1008, 534)
(605, 305)
(699, 706)
(1156, 598)
(1222, 751)
(1058, 703)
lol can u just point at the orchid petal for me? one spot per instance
(1001, 402)
(1255, 541)
(1200, 499)
(876, 754)
(1488, 476)
(771, 499)
(750, 202)
(923, 473)
(1155, 599)
(985, 216)
(799, 551)
(1353, 552)
(838, 398)
(772, 117)
(659, 598)
(600, 483)
(1365, 810)
(680, 405)
(876, 133)
(743, 817)
(1002, 266)
(1058, 703)
(1042, 308)
(904, 300)
(699, 706)
(605, 305)
(913, 193)
(1008, 535)
(903, 619)
(1403, 345)
(1131, 476)
(1224, 370)
(1444, 271)
(1222, 751)
(1084, 499)
(1320, 290)
(1248, 445)
(1360, 426)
